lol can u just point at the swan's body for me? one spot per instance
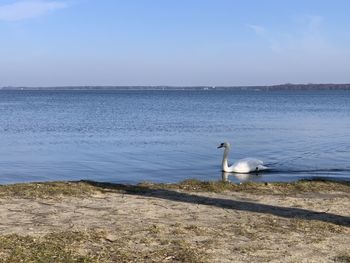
(246, 165)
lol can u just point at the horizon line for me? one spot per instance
(286, 86)
(173, 86)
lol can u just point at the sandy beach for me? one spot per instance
(188, 222)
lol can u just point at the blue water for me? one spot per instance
(169, 136)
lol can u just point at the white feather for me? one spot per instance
(246, 165)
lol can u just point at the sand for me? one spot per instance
(176, 225)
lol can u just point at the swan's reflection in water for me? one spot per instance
(241, 178)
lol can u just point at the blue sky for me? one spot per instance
(174, 42)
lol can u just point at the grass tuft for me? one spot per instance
(87, 188)
(343, 258)
(55, 247)
(48, 190)
(302, 186)
(91, 246)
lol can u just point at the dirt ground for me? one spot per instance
(175, 223)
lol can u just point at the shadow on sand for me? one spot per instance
(286, 212)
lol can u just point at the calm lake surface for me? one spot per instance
(169, 136)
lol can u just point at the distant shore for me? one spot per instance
(206, 88)
(192, 221)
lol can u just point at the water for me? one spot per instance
(169, 136)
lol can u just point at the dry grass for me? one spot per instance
(47, 190)
(56, 247)
(187, 232)
(343, 258)
(302, 186)
(88, 188)
(93, 246)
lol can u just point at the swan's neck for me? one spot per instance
(224, 159)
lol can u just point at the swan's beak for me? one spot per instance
(220, 146)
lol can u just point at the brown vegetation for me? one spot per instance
(192, 221)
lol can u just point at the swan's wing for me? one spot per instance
(248, 165)
(253, 161)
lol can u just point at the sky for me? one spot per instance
(173, 42)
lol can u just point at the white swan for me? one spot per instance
(246, 165)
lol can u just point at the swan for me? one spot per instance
(245, 166)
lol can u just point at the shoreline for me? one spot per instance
(192, 221)
(276, 87)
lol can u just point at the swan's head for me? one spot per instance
(224, 145)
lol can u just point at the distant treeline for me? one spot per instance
(257, 88)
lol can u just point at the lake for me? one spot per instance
(169, 136)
